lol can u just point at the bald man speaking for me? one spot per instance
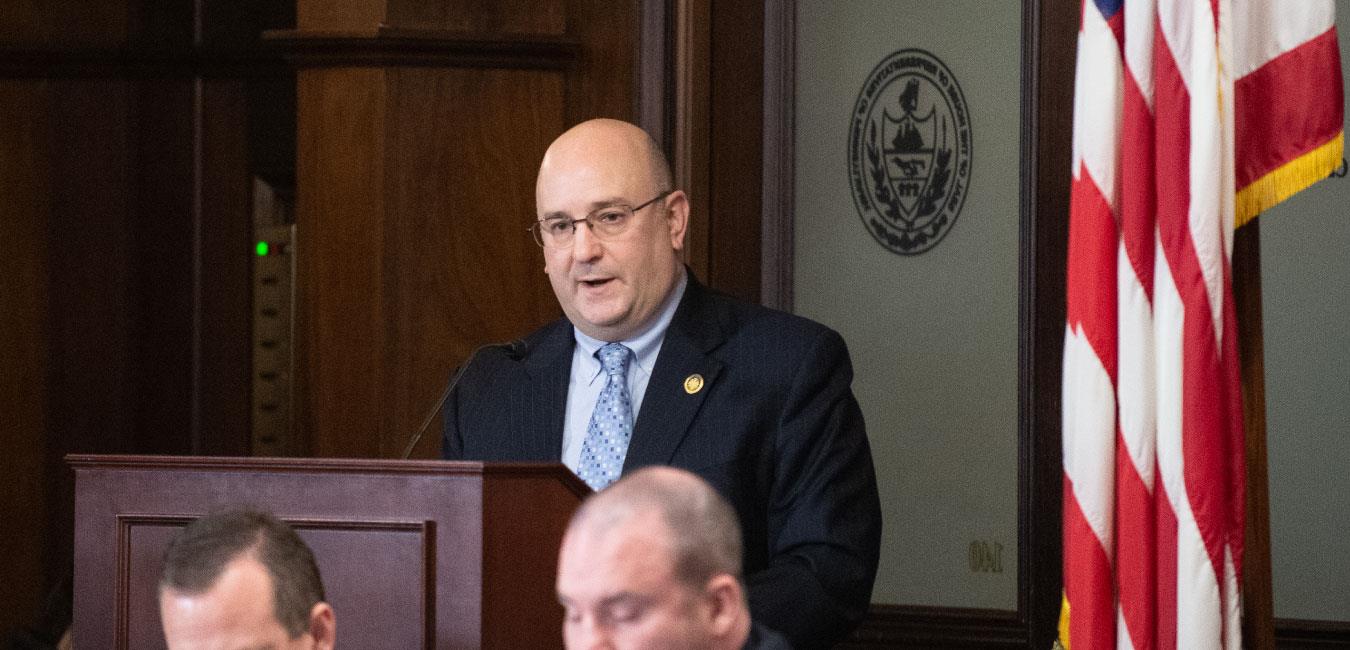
(649, 367)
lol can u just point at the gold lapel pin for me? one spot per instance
(693, 383)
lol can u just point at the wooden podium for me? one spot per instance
(414, 554)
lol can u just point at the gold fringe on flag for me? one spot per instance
(1288, 179)
(1063, 640)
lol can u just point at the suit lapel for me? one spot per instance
(549, 367)
(668, 409)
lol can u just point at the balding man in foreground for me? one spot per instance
(243, 579)
(651, 368)
(655, 562)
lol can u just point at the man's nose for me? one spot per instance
(589, 634)
(585, 246)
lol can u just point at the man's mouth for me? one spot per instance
(595, 282)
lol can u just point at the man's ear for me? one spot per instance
(677, 217)
(726, 601)
(323, 626)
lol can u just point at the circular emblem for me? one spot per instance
(693, 383)
(909, 148)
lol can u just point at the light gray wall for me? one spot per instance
(933, 336)
(1305, 250)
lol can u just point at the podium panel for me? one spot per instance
(413, 554)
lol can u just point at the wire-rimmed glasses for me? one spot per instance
(605, 223)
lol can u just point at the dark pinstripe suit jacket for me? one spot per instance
(775, 429)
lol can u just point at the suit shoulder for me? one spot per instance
(550, 334)
(504, 360)
(752, 318)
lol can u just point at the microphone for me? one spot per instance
(515, 350)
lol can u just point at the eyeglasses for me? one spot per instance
(605, 223)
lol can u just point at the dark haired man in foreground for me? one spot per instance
(243, 579)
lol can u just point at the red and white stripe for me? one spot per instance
(1152, 406)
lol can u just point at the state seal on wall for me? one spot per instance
(909, 151)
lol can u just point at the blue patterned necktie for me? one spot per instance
(611, 426)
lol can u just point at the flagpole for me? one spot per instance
(1258, 617)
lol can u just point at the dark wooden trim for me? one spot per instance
(415, 47)
(19, 63)
(383, 465)
(1258, 602)
(196, 443)
(735, 123)
(1297, 634)
(1050, 29)
(690, 141)
(780, 75)
(330, 465)
(656, 86)
(912, 626)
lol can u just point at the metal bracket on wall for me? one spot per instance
(273, 325)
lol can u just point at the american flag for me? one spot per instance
(1190, 117)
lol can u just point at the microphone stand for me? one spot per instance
(515, 350)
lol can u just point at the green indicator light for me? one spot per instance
(261, 249)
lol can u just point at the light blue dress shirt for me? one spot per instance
(587, 380)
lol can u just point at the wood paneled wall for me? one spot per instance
(137, 126)
(736, 147)
(124, 228)
(420, 127)
(716, 88)
(24, 337)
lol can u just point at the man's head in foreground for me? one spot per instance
(242, 580)
(654, 561)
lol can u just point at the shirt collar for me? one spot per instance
(645, 344)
